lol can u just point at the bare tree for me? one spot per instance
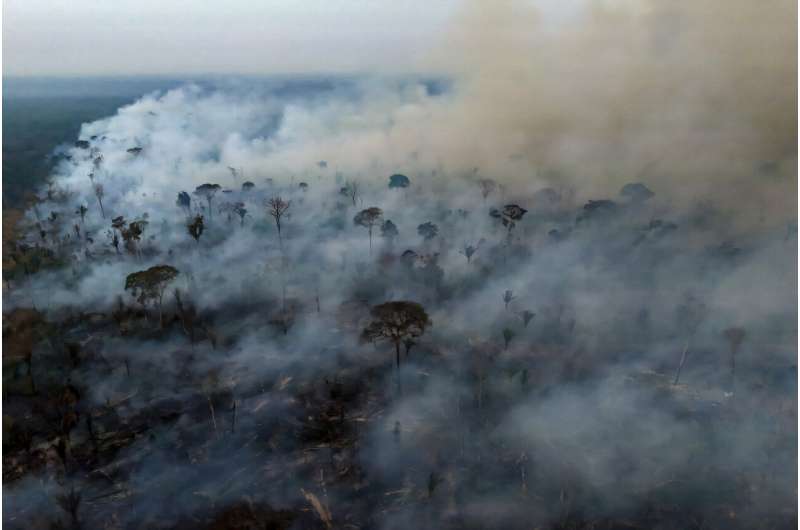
(277, 207)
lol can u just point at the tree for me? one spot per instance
(149, 285)
(468, 251)
(351, 189)
(428, 230)
(735, 337)
(277, 207)
(487, 186)
(241, 211)
(636, 192)
(82, 212)
(389, 230)
(133, 234)
(117, 226)
(367, 218)
(509, 215)
(207, 191)
(248, 186)
(196, 227)
(398, 181)
(526, 316)
(184, 201)
(508, 336)
(99, 192)
(396, 322)
(508, 296)
(689, 315)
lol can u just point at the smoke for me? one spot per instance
(690, 97)
(569, 416)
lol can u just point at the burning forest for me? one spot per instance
(421, 302)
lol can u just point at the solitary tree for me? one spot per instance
(396, 322)
(277, 207)
(207, 191)
(368, 218)
(248, 186)
(149, 285)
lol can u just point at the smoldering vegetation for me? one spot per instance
(195, 337)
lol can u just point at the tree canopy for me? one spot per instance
(399, 181)
(396, 322)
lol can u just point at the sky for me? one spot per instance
(94, 37)
(173, 37)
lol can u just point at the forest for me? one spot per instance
(207, 326)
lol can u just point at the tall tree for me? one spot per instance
(368, 218)
(396, 322)
(277, 207)
(196, 227)
(185, 202)
(207, 191)
(735, 337)
(149, 285)
(351, 190)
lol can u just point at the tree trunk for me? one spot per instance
(680, 366)
(397, 352)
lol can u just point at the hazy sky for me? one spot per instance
(66, 37)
